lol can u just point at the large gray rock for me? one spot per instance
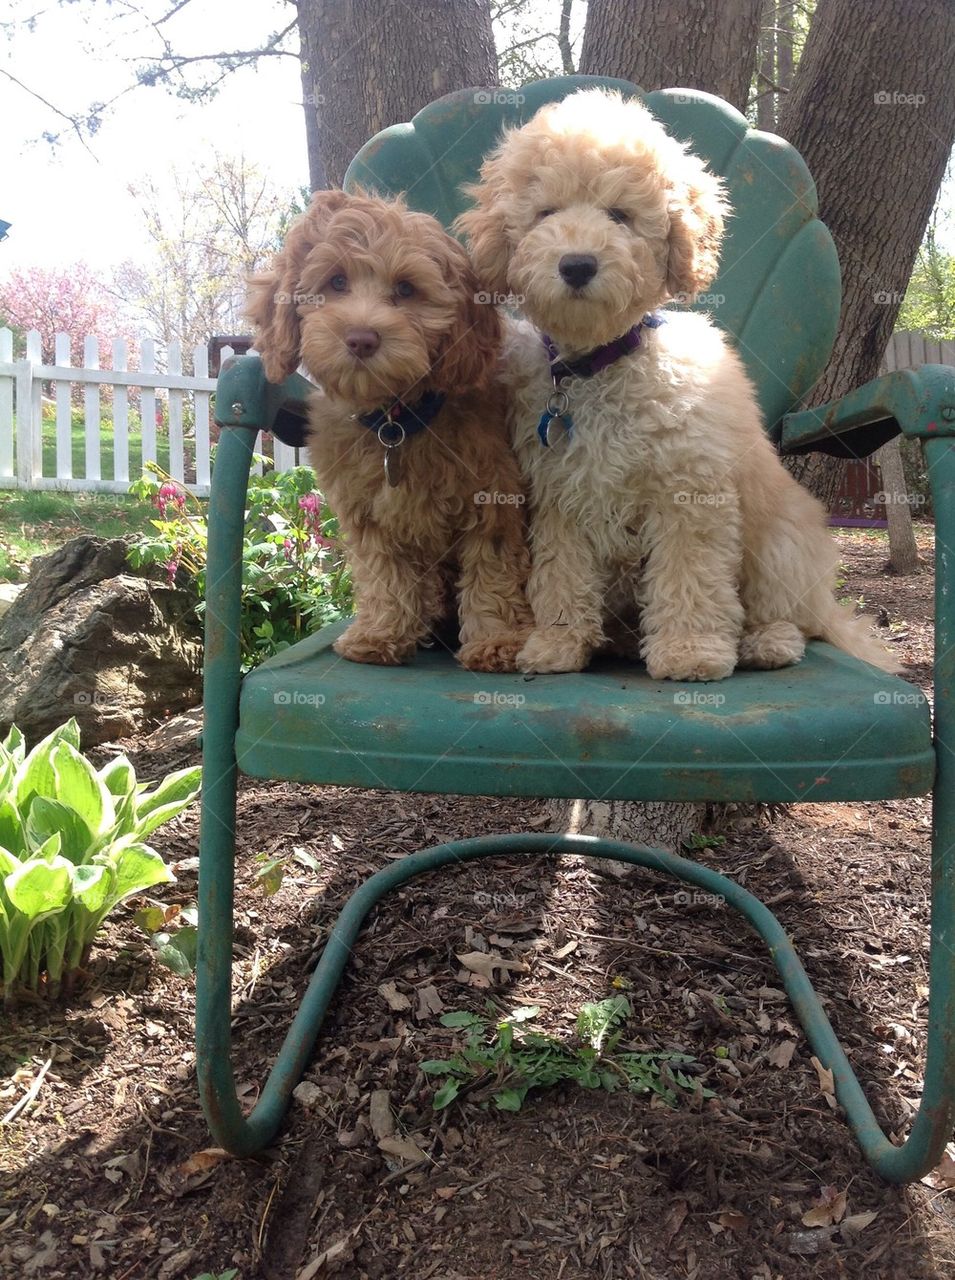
(92, 638)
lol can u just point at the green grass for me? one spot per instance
(34, 522)
(78, 441)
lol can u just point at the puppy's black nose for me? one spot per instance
(362, 342)
(577, 268)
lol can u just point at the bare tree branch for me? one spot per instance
(72, 121)
(563, 38)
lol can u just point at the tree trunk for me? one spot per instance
(687, 44)
(873, 115)
(372, 63)
(765, 91)
(903, 552)
(784, 49)
(656, 824)
(563, 38)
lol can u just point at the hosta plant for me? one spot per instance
(72, 847)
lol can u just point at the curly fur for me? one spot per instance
(456, 522)
(666, 525)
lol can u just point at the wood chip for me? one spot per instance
(380, 1115)
(395, 999)
(428, 1003)
(781, 1055)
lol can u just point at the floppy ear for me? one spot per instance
(485, 228)
(271, 304)
(469, 354)
(697, 209)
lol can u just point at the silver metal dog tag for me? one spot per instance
(558, 430)
(393, 465)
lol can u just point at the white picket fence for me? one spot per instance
(21, 412)
(181, 399)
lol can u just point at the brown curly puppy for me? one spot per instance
(407, 433)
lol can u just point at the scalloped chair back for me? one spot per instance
(778, 293)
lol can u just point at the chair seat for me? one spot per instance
(830, 728)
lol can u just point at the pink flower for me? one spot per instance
(311, 504)
(170, 493)
(172, 568)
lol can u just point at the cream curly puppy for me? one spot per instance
(662, 520)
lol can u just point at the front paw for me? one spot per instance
(492, 653)
(376, 648)
(702, 657)
(554, 649)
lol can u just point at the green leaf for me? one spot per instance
(438, 1067)
(119, 777)
(143, 827)
(11, 828)
(38, 888)
(523, 1014)
(35, 775)
(270, 876)
(150, 919)
(80, 786)
(92, 885)
(510, 1099)
(460, 1018)
(48, 816)
(595, 1020)
(8, 862)
(15, 744)
(178, 950)
(446, 1094)
(136, 868)
(172, 795)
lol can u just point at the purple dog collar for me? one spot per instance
(600, 358)
(556, 413)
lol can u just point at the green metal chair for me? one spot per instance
(831, 728)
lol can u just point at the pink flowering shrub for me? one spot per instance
(294, 577)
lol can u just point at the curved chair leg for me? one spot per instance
(244, 1135)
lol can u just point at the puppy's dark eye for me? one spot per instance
(405, 289)
(338, 283)
(546, 213)
(618, 215)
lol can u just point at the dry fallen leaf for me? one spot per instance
(403, 1149)
(427, 1003)
(341, 1251)
(484, 964)
(826, 1082)
(942, 1177)
(828, 1210)
(857, 1222)
(675, 1219)
(781, 1055)
(733, 1220)
(395, 999)
(446, 1193)
(201, 1161)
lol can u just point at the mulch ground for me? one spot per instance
(109, 1171)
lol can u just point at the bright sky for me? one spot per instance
(66, 204)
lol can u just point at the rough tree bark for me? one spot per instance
(903, 551)
(371, 63)
(873, 114)
(691, 44)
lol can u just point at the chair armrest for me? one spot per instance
(917, 402)
(245, 398)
